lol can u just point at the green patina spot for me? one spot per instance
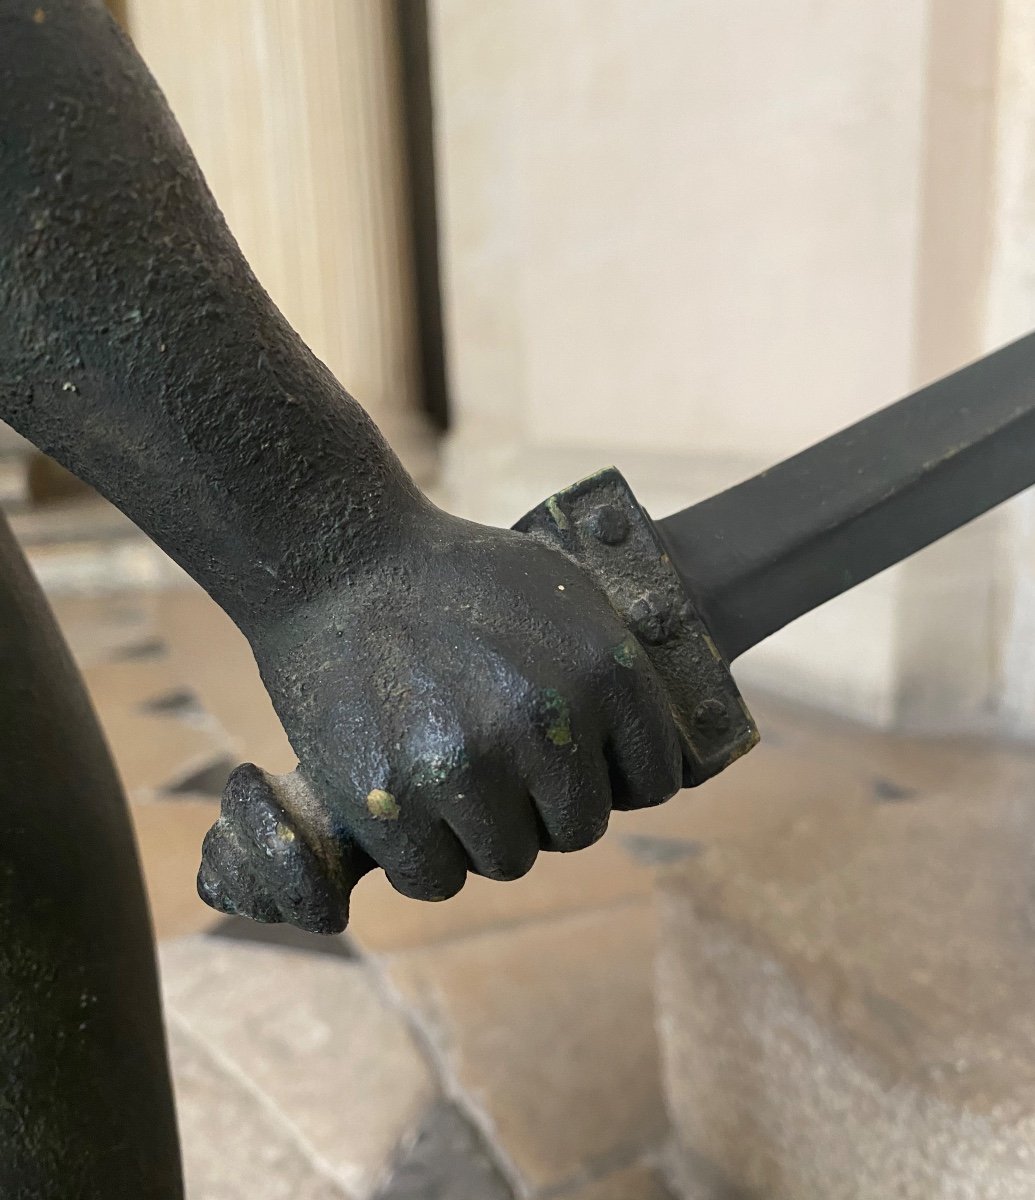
(558, 716)
(382, 804)
(554, 509)
(625, 653)
(440, 769)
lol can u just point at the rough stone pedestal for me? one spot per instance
(847, 1008)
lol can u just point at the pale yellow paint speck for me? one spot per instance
(383, 805)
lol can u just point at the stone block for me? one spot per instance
(846, 1005)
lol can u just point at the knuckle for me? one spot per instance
(510, 864)
(616, 664)
(578, 837)
(652, 782)
(497, 829)
(442, 885)
(421, 859)
(647, 762)
(625, 659)
(576, 825)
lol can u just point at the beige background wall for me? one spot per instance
(1011, 311)
(691, 238)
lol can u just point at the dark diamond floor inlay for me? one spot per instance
(889, 790)
(660, 852)
(181, 702)
(448, 1161)
(144, 649)
(208, 781)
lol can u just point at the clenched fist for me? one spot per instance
(471, 701)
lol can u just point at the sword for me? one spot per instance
(698, 588)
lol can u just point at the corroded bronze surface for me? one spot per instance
(85, 1103)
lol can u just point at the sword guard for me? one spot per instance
(600, 525)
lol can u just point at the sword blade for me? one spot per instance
(763, 553)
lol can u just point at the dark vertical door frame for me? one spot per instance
(419, 143)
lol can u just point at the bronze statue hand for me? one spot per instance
(473, 701)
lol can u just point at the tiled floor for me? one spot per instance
(500, 1044)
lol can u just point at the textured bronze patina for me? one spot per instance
(85, 1101)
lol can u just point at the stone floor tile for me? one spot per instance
(95, 627)
(153, 748)
(214, 659)
(549, 1028)
(768, 788)
(152, 753)
(233, 1147)
(67, 523)
(956, 764)
(126, 684)
(284, 937)
(169, 837)
(208, 780)
(634, 1183)
(104, 567)
(85, 546)
(447, 1161)
(14, 481)
(176, 701)
(382, 920)
(312, 1036)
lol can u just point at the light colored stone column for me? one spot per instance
(1011, 313)
(293, 108)
(944, 629)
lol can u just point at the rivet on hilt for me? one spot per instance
(651, 618)
(608, 524)
(711, 717)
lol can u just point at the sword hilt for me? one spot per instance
(600, 525)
